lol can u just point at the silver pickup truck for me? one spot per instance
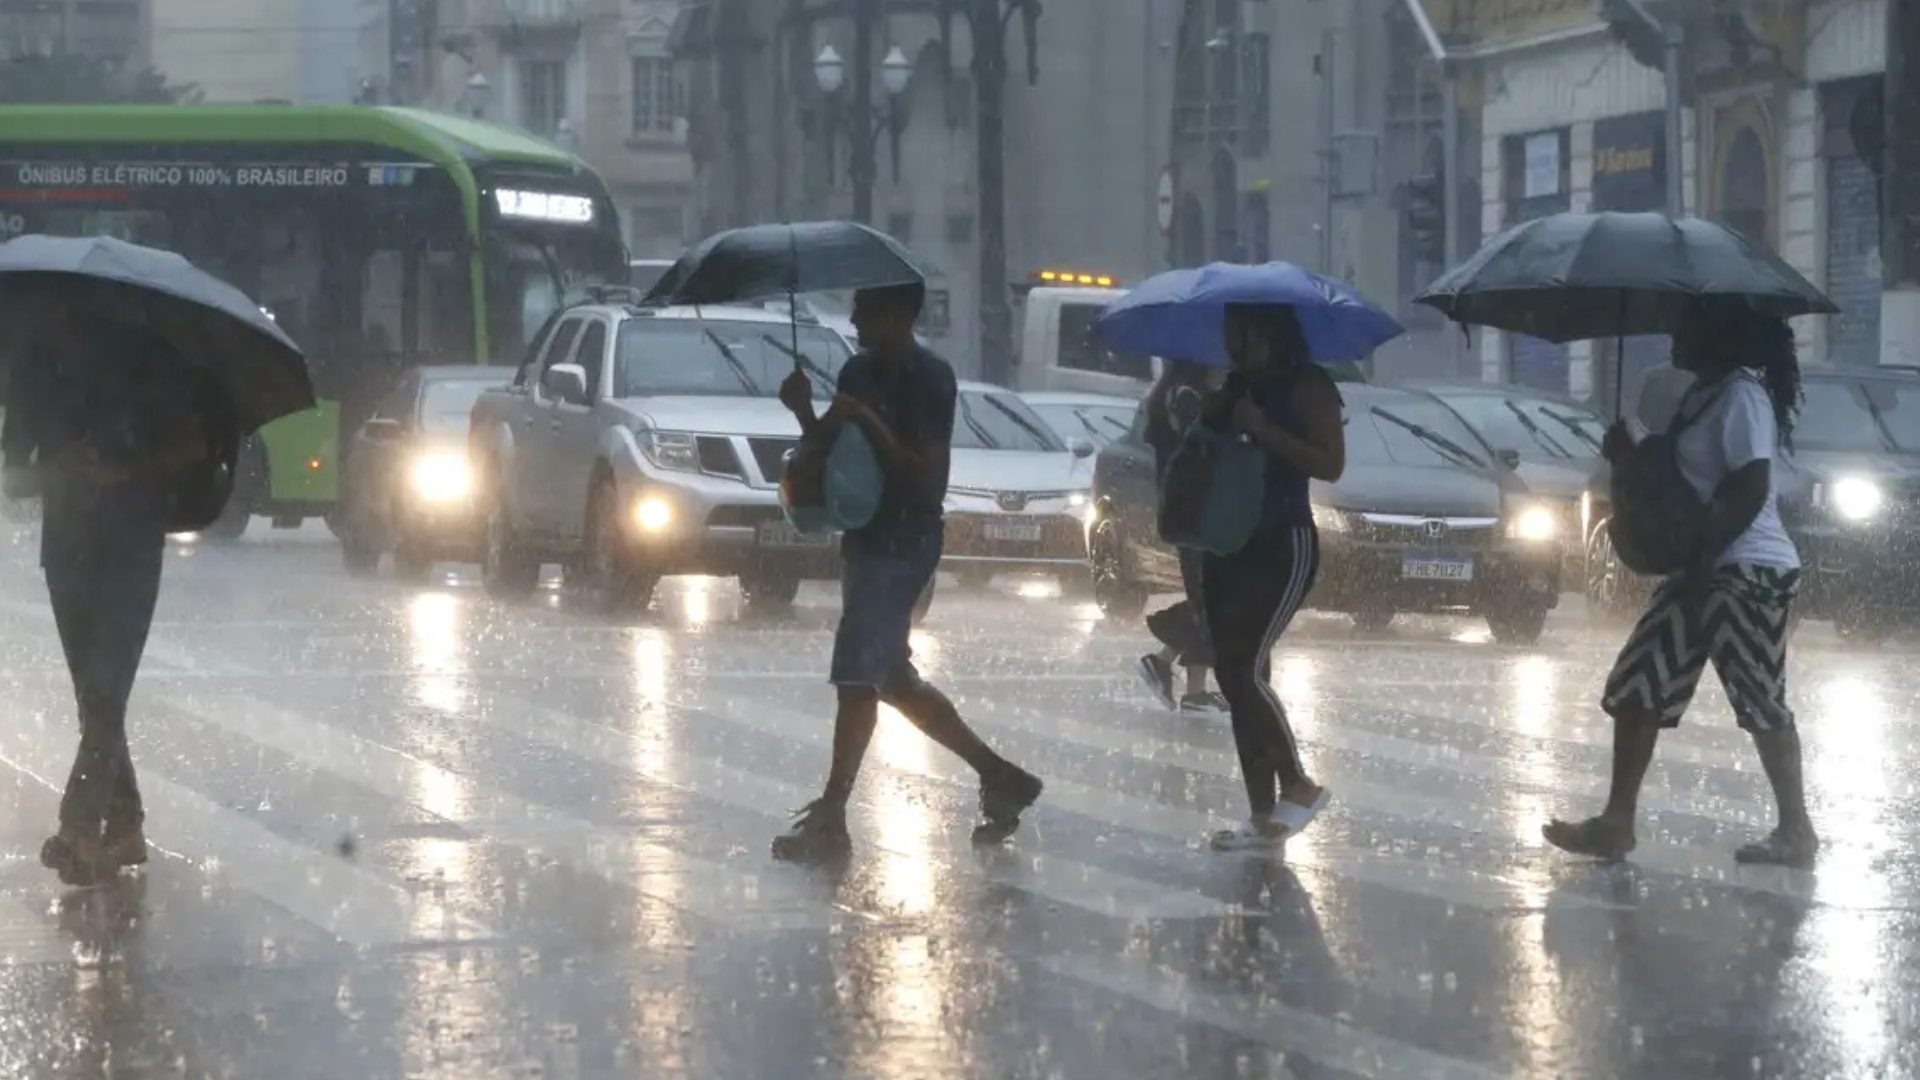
(636, 443)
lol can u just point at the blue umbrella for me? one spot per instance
(1181, 313)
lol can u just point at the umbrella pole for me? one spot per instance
(1620, 364)
(793, 292)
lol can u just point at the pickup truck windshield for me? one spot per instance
(718, 357)
(1839, 416)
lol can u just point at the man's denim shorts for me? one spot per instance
(879, 587)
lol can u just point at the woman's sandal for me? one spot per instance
(1593, 838)
(1779, 849)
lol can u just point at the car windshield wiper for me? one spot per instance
(1447, 447)
(1039, 436)
(973, 424)
(1879, 419)
(1546, 441)
(733, 362)
(1572, 423)
(806, 363)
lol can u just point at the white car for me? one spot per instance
(637, 443)
(1098, 418)
(1017, 495)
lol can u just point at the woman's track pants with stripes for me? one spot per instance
(1250, 598)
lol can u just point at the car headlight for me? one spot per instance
(1856, 498)
(675, 450)
(1077, 500)
(1330, 520)
(1534, 524)
(652, 513)
(442, 477)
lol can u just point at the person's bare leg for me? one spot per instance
(853, 723)
(1611, 834)
(1794, 842)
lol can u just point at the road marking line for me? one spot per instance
(1046, 874)
(1264, 1020)
(713, 891)
(1187, 827)
(352, 904)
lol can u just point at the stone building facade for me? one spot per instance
(594, 76)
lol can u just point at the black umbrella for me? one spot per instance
(761, 261)
(1570, 277)
(204, 320)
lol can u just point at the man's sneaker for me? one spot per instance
(1204, 703)
(1157, 674)
(1256, 835)
(819, 834)
(126, 847)
(80, 860)
(1003, 798)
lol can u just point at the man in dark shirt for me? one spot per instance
(96, 426)
(901, 397)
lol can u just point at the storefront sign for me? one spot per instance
(1629, 162)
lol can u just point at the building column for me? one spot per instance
(1900, 190)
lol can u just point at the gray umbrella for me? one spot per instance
(1569, 277)
(761, 261)
(204, 320)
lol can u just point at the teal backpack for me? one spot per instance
(1212, 494)
(850, 486)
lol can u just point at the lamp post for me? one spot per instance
(475, 96)
(865, 120)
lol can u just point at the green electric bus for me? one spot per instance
(379, 238)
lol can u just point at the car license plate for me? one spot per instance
(779, 534)
(1437, 569)
(1014, 531)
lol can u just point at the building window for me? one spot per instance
(543, 95)
(1256, 75)
(656, 96)
(960, 229)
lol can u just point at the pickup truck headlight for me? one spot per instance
(675, 450)
(1856, 498)
(1533, 523)
(442, 476)
(1329, 519)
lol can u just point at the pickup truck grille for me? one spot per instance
(770, 456)
(717, 455)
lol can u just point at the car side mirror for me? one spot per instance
(1183, 408)
(1081, 448)
(567, 382)
(1509, 458)
(382, 429)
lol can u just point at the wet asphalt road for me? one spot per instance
(405, 830)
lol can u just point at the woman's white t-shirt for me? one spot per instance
(1734, 427)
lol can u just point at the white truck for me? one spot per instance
(1058, 351)
(636, 443)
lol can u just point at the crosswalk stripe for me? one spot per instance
(1047, 874)
(711, 890)
(1326, 1041)
(1464, 886)
(353, 905)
